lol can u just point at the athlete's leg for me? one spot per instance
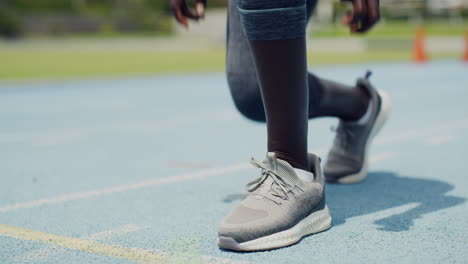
(240, 69)
(290, 191)
(326, 98)
(348, 103)
(276, 35)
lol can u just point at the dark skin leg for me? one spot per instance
(283, 83)
(333, 99)
(326, 98)
(286, 98)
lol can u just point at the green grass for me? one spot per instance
(63, 64)
(397, 29)
(30, 64)
(390, 41)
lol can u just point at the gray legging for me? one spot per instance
(326, 98)
(274, 19)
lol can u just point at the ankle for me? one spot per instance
(366, 116)
(361, 107)
(295, 162)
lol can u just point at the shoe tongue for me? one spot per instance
(271, 161)
(283, 168)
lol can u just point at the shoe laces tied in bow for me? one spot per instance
(282, 186)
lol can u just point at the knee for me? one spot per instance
(267, 5)
(246, 95)
(273, 19)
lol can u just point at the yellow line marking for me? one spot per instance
(135, 255)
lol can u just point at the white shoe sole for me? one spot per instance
(316, 222)
(381, 119)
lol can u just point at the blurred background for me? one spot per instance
(90, 38)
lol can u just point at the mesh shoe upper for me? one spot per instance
(277, 201)
(347, 154)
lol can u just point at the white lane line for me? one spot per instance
(50, 251)
(76, 134)
(382, 156)
(186, 164)
(127, 187)
(371, 217)
(119, 231)
(423, 133)
(369, 221)
(438, 140)
(443, 131)
(217, 260)
(149, 183)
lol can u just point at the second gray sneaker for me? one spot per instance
(283, 206)
(347, 161)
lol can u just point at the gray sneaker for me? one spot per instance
(347, 160)
(281, 208)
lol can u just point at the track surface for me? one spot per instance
(143, 170)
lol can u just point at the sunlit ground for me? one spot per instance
(143, 170)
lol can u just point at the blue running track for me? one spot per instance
(142, 170)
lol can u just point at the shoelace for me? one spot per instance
(283, 185)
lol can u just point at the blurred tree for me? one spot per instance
(9, 22)
(42, 5)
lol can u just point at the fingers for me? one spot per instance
(348, 20)
(181, 12)
(355, 17)
(365, 14)
(180, 18)
(188, 13)
(372, 16)
(366, 25)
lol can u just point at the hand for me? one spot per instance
(181, 11)
(365, 14)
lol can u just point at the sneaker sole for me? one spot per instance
(314, 223)
(379, 123)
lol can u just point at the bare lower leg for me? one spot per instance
(328, 98)
(282, 73)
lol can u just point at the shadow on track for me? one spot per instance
(381, 191)
(385, 190)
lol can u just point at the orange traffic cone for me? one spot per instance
(419, 48)
(465, 55)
